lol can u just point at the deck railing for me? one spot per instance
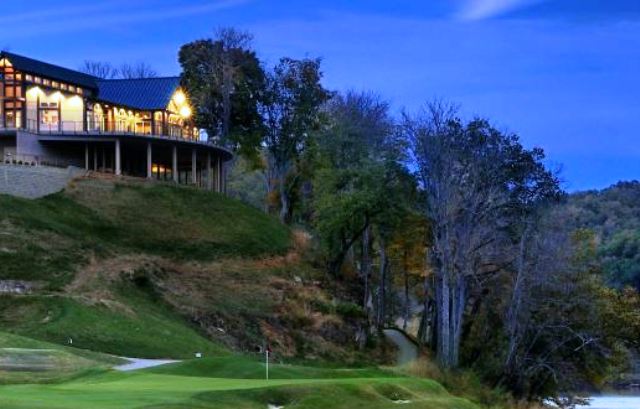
(141, 128)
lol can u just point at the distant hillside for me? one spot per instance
(614, 215)
(146, 270)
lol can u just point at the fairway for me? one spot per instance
(161, 388)
(155, 391)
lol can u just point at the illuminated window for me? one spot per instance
(55, 84)
(64, 86)
(46, 82)
(28, 78)
(37, 80)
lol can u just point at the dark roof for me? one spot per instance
(50, 71)
(143, 93)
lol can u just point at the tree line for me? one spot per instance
(423, 212)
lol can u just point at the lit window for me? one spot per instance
(64, 86)
(28, 78)
(55, 84)
(46, 82)
(37, 80)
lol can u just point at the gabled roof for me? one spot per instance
(54, 72)
(142, 93)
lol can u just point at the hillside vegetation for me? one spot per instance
(613, 214)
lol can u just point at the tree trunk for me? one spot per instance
(407, 301)
(513, 314)
(451, 302)
(284, 197)
(382, 289)
(443, 306)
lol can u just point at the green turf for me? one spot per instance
(24, 360)
(234, 366)
(149, 390)
(46, 239)
(146, 331)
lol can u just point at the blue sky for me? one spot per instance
(561, 73)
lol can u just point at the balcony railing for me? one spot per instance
(141, 128)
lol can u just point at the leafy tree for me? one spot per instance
(621, 259)
(226, 82)
(293, 98)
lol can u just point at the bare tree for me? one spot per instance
(99, 69)
(107, 71)
(475, 179)
(134, 71)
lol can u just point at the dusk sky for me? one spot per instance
(564, 74)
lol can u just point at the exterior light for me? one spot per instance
(185, 112)
(75, 101)
(34, 92)
(57, 96)
(179, 98)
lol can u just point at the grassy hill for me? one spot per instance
(87, 252)
(157, 271)
(48, 239)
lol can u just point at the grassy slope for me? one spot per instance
(57, 239)
(47, 239)
(301, 388)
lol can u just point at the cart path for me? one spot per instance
(407, 350)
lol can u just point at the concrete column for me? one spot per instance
(194, 158)
(118, 169)
(219, 175)
(86, 156)
(223, 181)
(149, 161)
(209, 172)
(174, 171)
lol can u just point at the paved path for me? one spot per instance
(407, 350)
(138, 363)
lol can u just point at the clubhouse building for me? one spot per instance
(50, 115)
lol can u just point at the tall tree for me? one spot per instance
(293, 98)
(356, 164)
(226, 81)
(472, 175)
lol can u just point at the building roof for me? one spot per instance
(141, 93)
(51, 71)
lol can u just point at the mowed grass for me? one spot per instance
(48, 239)
(160, 388)
(24, 360)
(143, 330)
